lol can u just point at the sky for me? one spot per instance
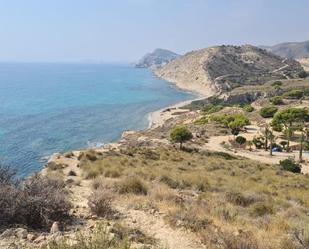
(124, 30)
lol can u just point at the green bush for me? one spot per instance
(276, 84)
(248, 108)
(180, 134)
(290, 165)
(241, 140)
(268, 111)
(294, 94)
(258, 142)
(302, 74)
(277, 100)
(306, 145)
(202, 121)
(227, 119)
(211, 109)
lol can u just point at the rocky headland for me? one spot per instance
(220, 69)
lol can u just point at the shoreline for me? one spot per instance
(155, 119)
(159, 117)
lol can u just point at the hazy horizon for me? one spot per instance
(123, 31)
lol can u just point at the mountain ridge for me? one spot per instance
(219, 69)
(293, 50)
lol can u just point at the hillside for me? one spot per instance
(157, 58)
(305, 63)
(219, 69)
(294, 50)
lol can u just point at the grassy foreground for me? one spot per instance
(227, 202)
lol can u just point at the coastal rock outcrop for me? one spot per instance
(157, 58)
(220, 69)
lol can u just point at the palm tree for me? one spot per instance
(301, 147)
(304, 134)
(272, 138)
(265, 132)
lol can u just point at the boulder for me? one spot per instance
(55, 227)
(21, 233)
(31, 237)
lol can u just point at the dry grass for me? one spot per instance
(212, 194)
(131, 185)
(100, 203)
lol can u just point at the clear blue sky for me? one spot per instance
(123, 30)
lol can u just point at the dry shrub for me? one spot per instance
(169, 181)
(100, 203)
(299, 239)
(163, 193)
(8, 205)
(69, 155)
(240, 199)
(191, 217)
(44, 200)
(97, 183)
(92, 171)
(242, 241)
(99, 238)
(261, 209)
(112, 173)
(36, 202)
(90, 155)
(134, 234)
(150, 154)
(7, 175)
(55, 166)
(132, 185)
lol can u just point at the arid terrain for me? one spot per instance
(219, 69)
(225, 172)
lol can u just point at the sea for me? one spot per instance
(47, 108)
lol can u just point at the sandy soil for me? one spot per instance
(158, 118)
(305, 63)
(154, 225)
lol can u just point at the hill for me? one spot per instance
(293, 50)
(157, 58)
(219, 69)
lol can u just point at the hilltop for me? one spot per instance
(293, 50)
(157, 58)
(222, 68)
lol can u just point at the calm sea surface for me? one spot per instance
(48, 108)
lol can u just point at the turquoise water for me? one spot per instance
(48, 108)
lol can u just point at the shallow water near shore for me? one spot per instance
(48, 108)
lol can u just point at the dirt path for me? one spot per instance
(155, 226)
(150, 224)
